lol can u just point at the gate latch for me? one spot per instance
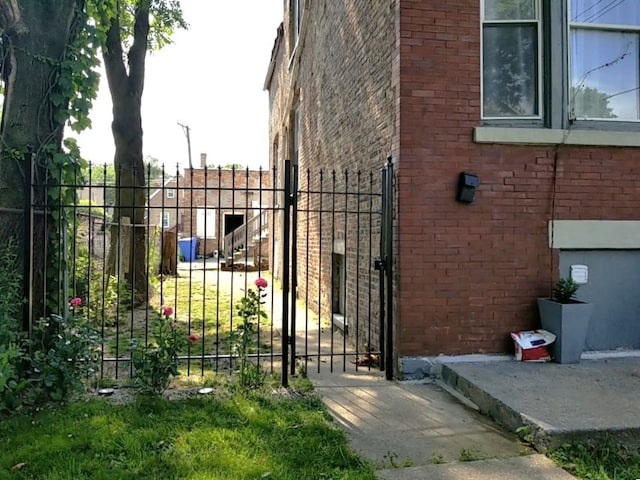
(379, 264)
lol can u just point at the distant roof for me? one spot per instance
(165, 185)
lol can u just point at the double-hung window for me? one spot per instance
(511, 36)
(561, 64)
(604, 59)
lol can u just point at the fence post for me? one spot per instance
(286, 237)
(388, 255)
(385, 266)
(27, 260)
(294, 262)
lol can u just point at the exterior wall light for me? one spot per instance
(467, 185)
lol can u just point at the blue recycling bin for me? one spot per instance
(188, 248)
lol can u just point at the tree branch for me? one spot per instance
(138, 51)
(113, 57)
(11, 17)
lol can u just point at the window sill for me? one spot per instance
(542, 136)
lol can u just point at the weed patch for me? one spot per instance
(606, 461)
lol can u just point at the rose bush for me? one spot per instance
(155, 362)
(194, 337)
(243, 337)
(65, 353)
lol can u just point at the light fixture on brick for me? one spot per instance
(467, 185)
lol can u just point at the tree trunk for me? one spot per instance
(126, 95)
(35, 36)
(130, 183)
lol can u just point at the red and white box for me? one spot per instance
(531, 345)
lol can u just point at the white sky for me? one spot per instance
(210, 79)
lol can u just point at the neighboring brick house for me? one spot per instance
(217, 201)
(163, 205)
(540, 99)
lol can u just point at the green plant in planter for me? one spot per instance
(565, 290)
(568, 319)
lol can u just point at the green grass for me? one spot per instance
(606, 461)
(228, 436)
(471, 455)
(204, 304)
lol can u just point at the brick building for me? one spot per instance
(219, 200)
(538, 99)
(163, 205)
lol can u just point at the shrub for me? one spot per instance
(157, 361)
(243, 337)
(13, 385)
(103, 292)
(11, 299)
(13, 366)
(64, 353)
(61, 354)
(564, 290)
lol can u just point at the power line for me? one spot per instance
(622, 92)
(575, 19)
(581, 82)
(607, 8)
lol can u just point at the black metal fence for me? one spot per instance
(196, 240)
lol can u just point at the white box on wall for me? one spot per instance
(580, 274)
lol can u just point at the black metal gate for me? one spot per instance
(322, 239)
(340, 270)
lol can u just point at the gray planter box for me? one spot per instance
(569, 322)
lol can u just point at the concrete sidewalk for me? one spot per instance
(417, 430)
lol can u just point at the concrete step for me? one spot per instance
(549, 404)
(485, 402)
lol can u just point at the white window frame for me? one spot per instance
(166, 219)
(296, 7)
(540, 80)
(570, 26)
(171, 193)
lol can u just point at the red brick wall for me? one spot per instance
(403, 78)
(225, 190)
(470, 274)
(346, 94)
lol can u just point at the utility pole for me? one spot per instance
(186, 130)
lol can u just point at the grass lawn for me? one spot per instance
(221, 436)
(199, 307)
(604, 462)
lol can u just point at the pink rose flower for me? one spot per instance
(175, 325)
(261, 283)
(75, 302)
(194, 337)
(168, 311)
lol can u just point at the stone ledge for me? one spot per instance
(546, 136)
